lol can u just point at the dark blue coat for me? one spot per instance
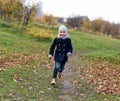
(61, 48)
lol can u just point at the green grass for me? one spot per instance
(96, 47)
(32, 84)
(34, 77)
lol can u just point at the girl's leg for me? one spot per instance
(61, 69)
(62, 66)
(55, 72)
(56, 69)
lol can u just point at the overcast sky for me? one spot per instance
(106, 9)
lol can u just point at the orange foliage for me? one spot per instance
(106, 77)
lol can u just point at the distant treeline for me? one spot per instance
(15, 10)
(98, 26)
(83, 23)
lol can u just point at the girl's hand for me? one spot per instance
(50, 56)
(69, 54)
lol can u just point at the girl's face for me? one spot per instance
(62, 34)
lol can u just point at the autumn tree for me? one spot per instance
(19, 9)
(60, 19)
(86, 26)
(76, 21)
(6, 8)
(0, 9)
(107, 28)
(98, 25)
(115, 29)
(49, 19)
(46, 19)
(118, 29)
(10, 9)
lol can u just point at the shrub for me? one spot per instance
(40, 33)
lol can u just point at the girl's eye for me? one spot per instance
(62, 31)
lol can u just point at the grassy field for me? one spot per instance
(25, 71)
(97, 47)
(24, 68)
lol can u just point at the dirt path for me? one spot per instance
(67, 87)
(67, 84)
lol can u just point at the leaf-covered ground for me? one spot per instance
(105, 77)
(86, 80)
(82, 80)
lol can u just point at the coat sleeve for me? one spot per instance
(70, 48)
(52, 47)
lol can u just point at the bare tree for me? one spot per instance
(26, 15)
(30, 10)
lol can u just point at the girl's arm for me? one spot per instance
(51, 52)
(70, 48)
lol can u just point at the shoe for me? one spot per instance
(59, 75)
(53, 82)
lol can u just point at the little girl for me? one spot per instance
(63, 49)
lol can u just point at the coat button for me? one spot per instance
(59, 49)
(59, 54)
(58, 44)
(63, 44)
(63, 49)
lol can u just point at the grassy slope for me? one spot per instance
(29, 79)
(97, 47)
(32, 77)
